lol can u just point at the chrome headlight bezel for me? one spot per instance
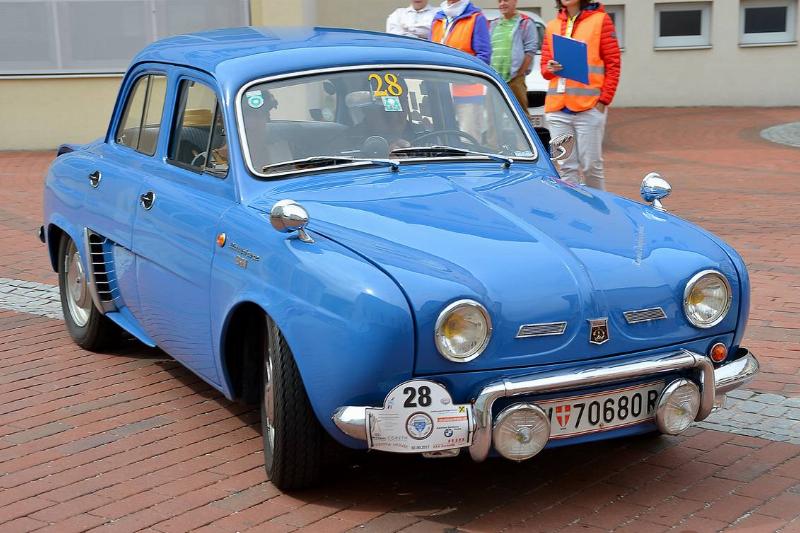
(688, 290)
(444, 315)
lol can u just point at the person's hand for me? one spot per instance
(601, 107)
(554, 66)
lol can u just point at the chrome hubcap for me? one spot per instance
(269, 404)
(78, 300)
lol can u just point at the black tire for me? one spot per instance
(92, 331)
(294, 441)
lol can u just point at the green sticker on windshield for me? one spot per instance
(391, 103)
(255, 99)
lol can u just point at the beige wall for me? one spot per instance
(42, 113)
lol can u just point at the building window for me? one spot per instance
(617, 14)
(684, 25)
(99, 36)
(768, 22)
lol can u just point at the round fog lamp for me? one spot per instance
(521, 431)
(677, 407)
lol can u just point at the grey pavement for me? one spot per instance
(30, 297)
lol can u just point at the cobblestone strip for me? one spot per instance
(30, 297)
(764, 415)
(788, 134)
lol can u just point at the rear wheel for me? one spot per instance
(294, 441)
(89, 328)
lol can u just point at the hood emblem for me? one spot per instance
(598, 330)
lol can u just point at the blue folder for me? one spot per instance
(572, 55)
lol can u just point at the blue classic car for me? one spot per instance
(432, 287)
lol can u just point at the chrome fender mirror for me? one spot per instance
(561, 147)
(654, 189)
(288, 216)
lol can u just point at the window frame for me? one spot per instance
(683, 41)
(178, 110)
(787, 37)
(127, 101)
(619, 22)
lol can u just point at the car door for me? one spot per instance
(177, 226)
(114, 183)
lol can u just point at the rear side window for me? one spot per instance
(141, 121)
(198, 139)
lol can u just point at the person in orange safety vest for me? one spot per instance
(574, 107)
(459, 24)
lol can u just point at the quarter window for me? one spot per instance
(198, 140)
(141, 121)
(768, 22)
(684, 25)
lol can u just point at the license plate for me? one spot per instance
(602, 411)
(537, 121)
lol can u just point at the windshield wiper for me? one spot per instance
(328, 160)
(450, 150)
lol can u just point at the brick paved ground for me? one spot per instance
(131, 441)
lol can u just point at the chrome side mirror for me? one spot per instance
(654, 189)
(561, 147)
(287, 216)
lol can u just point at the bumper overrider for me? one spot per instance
(414, 411)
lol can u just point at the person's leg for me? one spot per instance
(520, 91)
(590, 127)
(470, 120)
(559, 123)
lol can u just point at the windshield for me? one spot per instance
(367, 115)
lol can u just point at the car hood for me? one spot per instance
(530, 247)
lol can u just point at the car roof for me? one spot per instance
(237, 55)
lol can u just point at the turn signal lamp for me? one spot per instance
(678, 406)
(521, 431)
(718, 352)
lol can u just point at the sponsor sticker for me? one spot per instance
(419, 416)
(391, 103)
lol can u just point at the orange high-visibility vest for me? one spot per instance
(579, 97)
(459, 36)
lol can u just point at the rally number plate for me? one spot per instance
(602, 411)
(419, 416)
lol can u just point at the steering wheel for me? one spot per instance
(444, 133)
(200, 159)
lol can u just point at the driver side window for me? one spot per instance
(198, 138)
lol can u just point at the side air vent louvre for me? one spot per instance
(103, 267)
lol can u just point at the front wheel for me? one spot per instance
(87, 326)
(294, 441)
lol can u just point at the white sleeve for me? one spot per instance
(394, 23)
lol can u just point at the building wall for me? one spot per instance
(724, 75)
(42, 112)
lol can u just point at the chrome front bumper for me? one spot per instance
(714, 383)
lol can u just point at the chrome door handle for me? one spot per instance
(94, 179)
(147, 199)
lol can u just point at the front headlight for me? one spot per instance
(463, 330)
(707, 298)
